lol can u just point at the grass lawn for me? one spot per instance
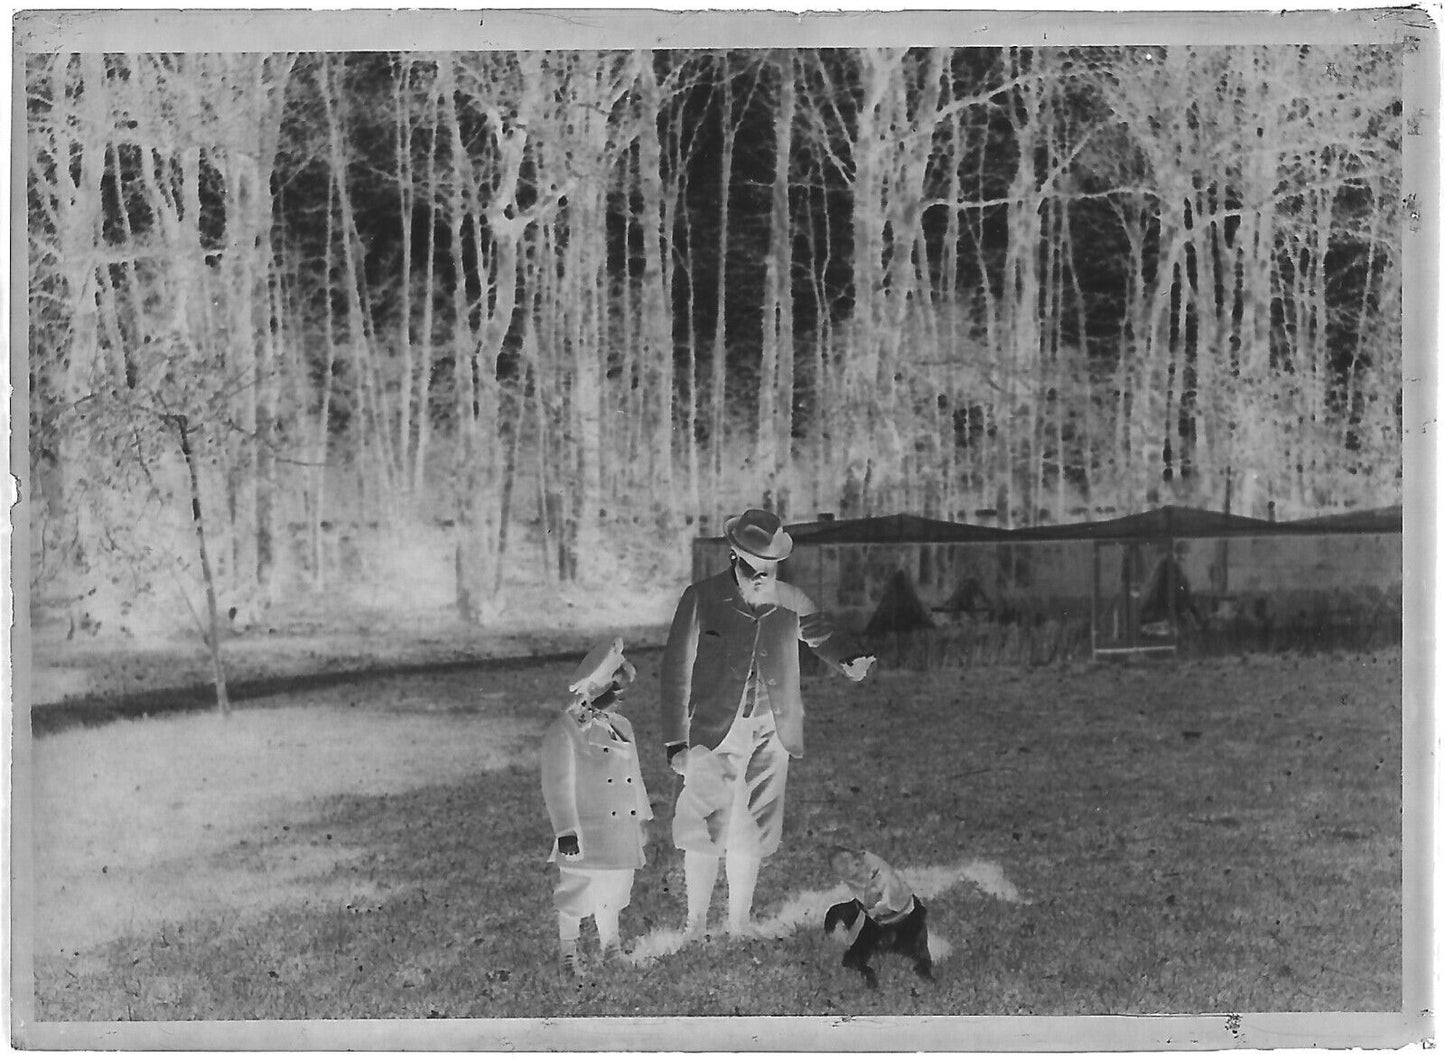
(1221, 835)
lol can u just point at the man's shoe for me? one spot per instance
(748, 929)
(612, 953)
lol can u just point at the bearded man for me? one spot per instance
(733, 711)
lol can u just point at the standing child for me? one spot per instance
(593, 788)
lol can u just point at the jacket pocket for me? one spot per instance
(710, 662)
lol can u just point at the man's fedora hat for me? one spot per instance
(759, 534)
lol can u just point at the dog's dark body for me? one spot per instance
(907, 936)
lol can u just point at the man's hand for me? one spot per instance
(857, 667)
(677, 759)
(567, 845)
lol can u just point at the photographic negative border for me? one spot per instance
(441, 30)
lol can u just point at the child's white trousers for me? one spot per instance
(583, 892)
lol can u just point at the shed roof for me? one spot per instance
(893, 529)
(1162, 522)
(1375, 520)
(1167, 521)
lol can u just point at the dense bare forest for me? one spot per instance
(529, 300)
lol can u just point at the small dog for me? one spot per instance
(885, 916)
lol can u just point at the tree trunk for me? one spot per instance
(509, 478)
(218, 671)
(81, 130)
(406, 202)
(584, 535)
(465, 455)
(773, 451)
(717, 435)
(678, 213)
(867, 395)
(655, 326)
(322, 438)
(427, 359)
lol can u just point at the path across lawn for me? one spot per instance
(143, 822)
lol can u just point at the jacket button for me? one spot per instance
(632, 812)
(629, 780)
(763, 654)
(772, 682)
(609, 779)
(614, 812)
(606, 751)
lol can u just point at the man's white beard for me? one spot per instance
(755, 595)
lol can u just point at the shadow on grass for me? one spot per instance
(94, 710)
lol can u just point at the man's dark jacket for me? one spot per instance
(714, 642)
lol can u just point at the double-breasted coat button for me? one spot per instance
(632, 812)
